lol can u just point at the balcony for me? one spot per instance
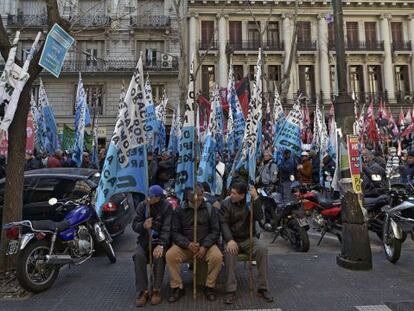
(401, 46)
(306, 46)
(26, 21)
(368, 97)
(148, 21)
(91, 20)
(208, 45)
(404, 97)
(117, 66)
(254, 45)
(365, 46)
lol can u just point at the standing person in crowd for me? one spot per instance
(56, 159)
(305, 169)
(184, 247)
(153, 215)
(370, 167)
(101, 158)
(328, 171)
(2, 166)
(152, 168)
(267, 172)
(32, 163)
(287, 168)
(86, 162)
(68, 160)
(316, 165)
(221, 178)
(166, 168)
(393, 162)
(235, 225)
(407, 171)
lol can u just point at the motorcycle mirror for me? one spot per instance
(52, 201)
(376, 177)
(97, 175)
(292, 178)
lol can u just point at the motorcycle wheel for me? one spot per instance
(109, 251)
(392, 245)
(32, 272)
(301, 243)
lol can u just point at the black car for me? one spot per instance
(67, 184)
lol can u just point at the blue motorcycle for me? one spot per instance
(45, 246)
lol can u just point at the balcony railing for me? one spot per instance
(208, 45)
(306, 45)
(150, 21)
(117, 66)
(401, 46)
(365, 46)
(368, 97)
(27, 21)
(91, 20)
(404, 97)
(254, 45)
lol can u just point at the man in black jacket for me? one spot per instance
(185, 248)
(235, 224)
(153, 215)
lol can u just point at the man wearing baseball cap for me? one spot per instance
(153, 217)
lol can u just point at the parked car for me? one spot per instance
(67, 184)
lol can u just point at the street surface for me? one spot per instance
(310, 282)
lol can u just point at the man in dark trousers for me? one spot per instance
(235, 225)
(184, 247)
(153, 215)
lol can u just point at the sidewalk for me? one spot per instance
(298, 281)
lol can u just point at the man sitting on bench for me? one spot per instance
(184, 247)
(235, 225)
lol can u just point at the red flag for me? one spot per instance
(30, 132)
(401, 118)
(243, 93)
(372, 130)
(205, 109)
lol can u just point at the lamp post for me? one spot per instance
(355, 247)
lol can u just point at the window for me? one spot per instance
(370, 34)
(334, 85)
(331, 35)
(273, 73)
(397, 32)
(402, 83)
(374, 78)
(91, 58)
(253, 32)
(352, 34)
(50, 187)
(356, 77)
(157, 92)
(207, 80)
(252, 72)
(94, 98)
(235, 32)
(304, 32)
(207, 33)
(273, 34)
(150, 57)
(28, 189)
(152, 51)
(307, 80)
(238, 72)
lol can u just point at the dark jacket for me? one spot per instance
(208, 227)
(407, 173)
(370, 187)
(33, 164)
(235, 219)
(161, 214)
(287, 167)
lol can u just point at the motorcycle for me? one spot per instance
(399, 220)
(323, 213)
(44, 246)
(286, 220)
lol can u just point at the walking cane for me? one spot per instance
(150, 271)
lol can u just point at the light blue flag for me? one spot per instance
(126, 168)
(160, 113)
(289, 137)
(219, 122)
(174, 138)
(80, 122)
(185, 166)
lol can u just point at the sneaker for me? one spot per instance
(176, 294)
(229, 298)
(265, 294)
(142, 299)
(210, 293)
(156, 297)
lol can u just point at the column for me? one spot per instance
(192, 36)
(222, 42)
(287, 39)
(324, 70)
(388, 65)
(411, 37)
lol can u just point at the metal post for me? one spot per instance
(355, 249)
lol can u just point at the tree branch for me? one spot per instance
(4, 41)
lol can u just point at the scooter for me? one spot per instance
(44, 246)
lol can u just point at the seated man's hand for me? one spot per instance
(148, 223)
(194, 247)
(158, 252)
(201, 252)
(232, 247)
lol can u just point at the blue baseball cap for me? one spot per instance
(155, 191)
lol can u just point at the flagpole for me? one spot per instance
(194, 185)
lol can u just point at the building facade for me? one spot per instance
(379, 39)
(109, 38)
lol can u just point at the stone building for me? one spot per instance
(379, 38)
(109, 37)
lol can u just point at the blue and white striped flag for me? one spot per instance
(150, 119)
(161, 114)
(185, 166)
(80, 122)
(126, 167)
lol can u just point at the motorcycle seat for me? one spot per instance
(49, 225)
(371, 203)
(325, 202)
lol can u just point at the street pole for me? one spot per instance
(355, 247)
